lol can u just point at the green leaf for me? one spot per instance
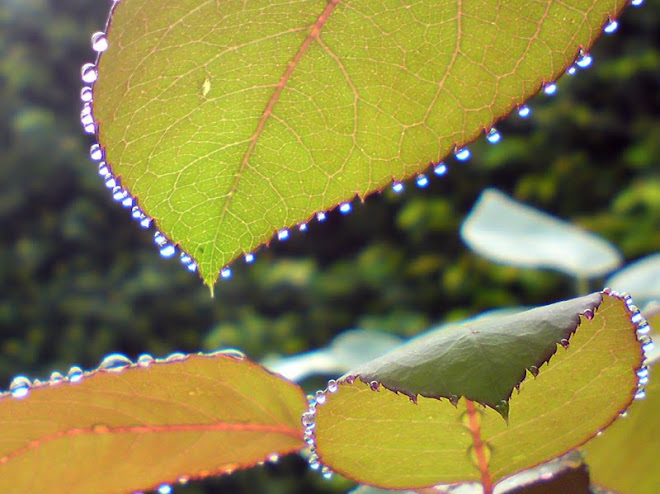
(133, 428)
(230, 121)
(387, 440)
(625, 458)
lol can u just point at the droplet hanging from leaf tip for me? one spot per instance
(524, 111)
(422, 181)
(550, 89)
(440, 169)
(611, 26)
(397, 187)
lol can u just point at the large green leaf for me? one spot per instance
(375, 436)
(127, 428)
(232, 120)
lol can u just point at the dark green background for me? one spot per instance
(79, 279)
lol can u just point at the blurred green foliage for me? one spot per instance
(79, 279)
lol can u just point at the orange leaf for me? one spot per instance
(124, 428)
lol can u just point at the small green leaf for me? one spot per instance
(232, 120)
(384, 439)
(132, 429)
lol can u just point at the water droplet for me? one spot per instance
(643, 372)
(326, 473)
(550, 89)
(588, 314)
(225, 273)
(303, 227)
(249, 258)
(374, 385)
(637, 318)
(623, 414)
(86, 94)
(307, 419)
(176, 357)
(440, 169)
(584, 61)
(565, 343)
(282, 235)
(524, 111)
(159, 239)
(422, 181)
(95, 152)
(127, 202)
(165, 489)
(99, 42)
(20, 387)
(643, 329)
(349, 379)
(503, 408)
(534, 370)
(89, 73)
(345, 208)
(119, 194)
(104, 171)
(572, 70)
(183, 479)
(640, 395)
(397, 187)
(115, 362)
(314, 465)
(145, 222)
(643, 381)
(413, 399)
(56, 377)
(232, 353)
(188, 262)
(110, 182)
(333, 387)
(462, 154)
(636, 3)
(320, 216)
(493, 136)
(611, 26)
(145, 360)
(75, 374)
(320, 397)
(453, 399)
(273, 458)
(648, 347)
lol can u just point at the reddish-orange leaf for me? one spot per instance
(126, 427)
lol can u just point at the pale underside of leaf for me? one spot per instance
(230, 120)
(146, 426)
(384, 439)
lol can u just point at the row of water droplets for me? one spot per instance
(643, 331)
(168, 249)
(21, 386)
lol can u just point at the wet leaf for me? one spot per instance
(230, 121)
(135, 429)
(509, 232)
(625, 457)
(384, 439)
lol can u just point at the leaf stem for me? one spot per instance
(474, 424)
